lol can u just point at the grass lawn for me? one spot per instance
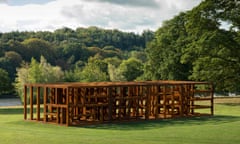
(223, 128)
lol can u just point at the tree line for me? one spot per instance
(84, 54)
(202, 44)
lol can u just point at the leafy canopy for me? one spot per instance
(196, 45)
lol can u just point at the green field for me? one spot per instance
(223, 128)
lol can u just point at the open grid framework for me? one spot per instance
(102, 102)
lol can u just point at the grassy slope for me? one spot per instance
(223, 128)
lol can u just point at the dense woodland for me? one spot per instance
(84, 54)
(202, 44)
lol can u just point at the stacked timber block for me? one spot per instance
(101, 102)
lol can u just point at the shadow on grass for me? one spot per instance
(151, 124)
(15, 110)
(148, 124)
(11, 111)
(230, 104)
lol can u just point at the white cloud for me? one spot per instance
(126, 16)
(3, 1)
(131, 3)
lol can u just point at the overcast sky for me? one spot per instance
(125, 15)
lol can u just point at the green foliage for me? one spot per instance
(14, 57)
(131, 69)
(219, 61)
(229, 10)
(148, 36)
(164, 52)
(94, 71)
(195, 46)
(37, 72)
(213, 51)
(73, 50)
(5, 83)
(18, 47)
(97, 37)
(10, 61)
(115, 61)
(43, 72)
(140, 55)
(36, 48)
(74, 75)
(115, 74)
(68, 48)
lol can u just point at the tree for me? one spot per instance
(218, 60)
(214, 51)
(37, 72)
(115, 74)
(74, 75)
(9, 62)
(140, 55)
(131, 69)
(94, 71)
(228, 11)
(43, 72)
(5, 83)
(110, 51)
(18, 47)
(164, 52)
(36, 48)
(115, 61)
(195, 45)
(148, 36)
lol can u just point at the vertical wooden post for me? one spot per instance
(181, 98)
(38, 103)
(56, 96)
(137, 98)
(110, 103)
(156, 102)
(25, 102)
(172, 99)
(212, 99)
(31, 102)
(147, 102)
(52, 100)
(83, 101)
(45, 117)
(192, 93)
(140, 95)
(164, 101)
(56, 103)
(128, 101)
(101, 113)
(67, 107)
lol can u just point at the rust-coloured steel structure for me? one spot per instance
(100, 102)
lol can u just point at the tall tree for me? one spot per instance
(164, 52)
(197, 45)
(214, 51)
